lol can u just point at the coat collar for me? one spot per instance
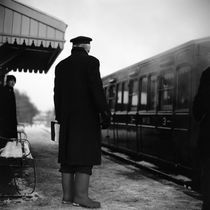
(78, 51)
(10, 89)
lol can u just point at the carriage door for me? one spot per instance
(121, 115)
(164, 147)
(111, 102)
(181, 132)
(132, 116)
(147, 132)
(143, 120)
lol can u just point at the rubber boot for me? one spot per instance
(81, 198)
(68, 187)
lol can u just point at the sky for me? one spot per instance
(124, 32)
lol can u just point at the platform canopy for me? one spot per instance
(30, 40)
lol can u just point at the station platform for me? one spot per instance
(118, 186)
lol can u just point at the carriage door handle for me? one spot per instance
(133, 120)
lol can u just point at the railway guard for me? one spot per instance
(79, 102)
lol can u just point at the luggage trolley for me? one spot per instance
(21, 165)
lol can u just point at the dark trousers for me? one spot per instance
(72, 169)
(205, 183)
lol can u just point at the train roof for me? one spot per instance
(132, 69)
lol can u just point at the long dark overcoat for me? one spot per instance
(201, 111)
(8, 117)
(78, 99)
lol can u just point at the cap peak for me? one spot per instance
(81, 40)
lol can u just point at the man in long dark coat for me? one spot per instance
(201, 111)
(8, 116)
(79, 100)
(8, 123)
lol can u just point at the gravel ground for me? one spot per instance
(117, 186)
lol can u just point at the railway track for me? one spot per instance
(174, 177)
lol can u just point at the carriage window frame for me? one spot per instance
(119, 97)
(166, 91)
(143, 98)
(125, 96)
(133, 94)
(153, 92)
(111, 96)
(185, 85)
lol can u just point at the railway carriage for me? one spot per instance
(151, 105)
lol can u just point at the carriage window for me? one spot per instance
(111, 97)
(183, 88)
(166, 91)
(119, 97)
(143, 93)
(125, 95)
(133, 94)
(153, 92)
